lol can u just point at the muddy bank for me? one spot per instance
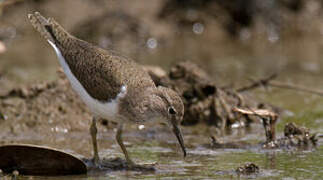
(53, 106)
(47, 107)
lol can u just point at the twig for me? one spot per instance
(256, 84)
(268, 81)
(268, 118)
(295, 87)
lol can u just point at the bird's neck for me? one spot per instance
(151, 104)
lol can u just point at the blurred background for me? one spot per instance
(232, 40)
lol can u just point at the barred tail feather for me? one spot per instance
(48, 28)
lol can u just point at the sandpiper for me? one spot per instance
(112, 86)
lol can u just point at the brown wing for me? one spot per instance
(102, 73)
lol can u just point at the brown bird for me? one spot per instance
(112, 86)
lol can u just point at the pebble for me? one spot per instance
(15, 173)
(2, 47)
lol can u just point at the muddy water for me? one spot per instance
(157, 144)
(230, 62)
(201, 161)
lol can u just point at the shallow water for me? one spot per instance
(221, 164)
(156, 145)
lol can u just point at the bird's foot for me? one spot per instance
(96, 162)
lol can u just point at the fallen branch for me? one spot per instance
(295, 87)
(260, 83)
(268, 81)
(268, 118)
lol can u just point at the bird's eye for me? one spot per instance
(171, 110)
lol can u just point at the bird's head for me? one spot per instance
(172, 111)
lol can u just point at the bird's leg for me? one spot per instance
(94, 131)
(120, 142)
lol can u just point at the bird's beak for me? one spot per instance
(178, 134)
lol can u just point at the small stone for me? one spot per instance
(15, 173)
(2, 47)
(248, 168)
(2, 116)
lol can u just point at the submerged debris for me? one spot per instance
(291, 130)
(247, 169)
(268, 119)
(297, 137)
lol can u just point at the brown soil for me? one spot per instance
(45, 108)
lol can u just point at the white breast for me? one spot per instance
(107, 110)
